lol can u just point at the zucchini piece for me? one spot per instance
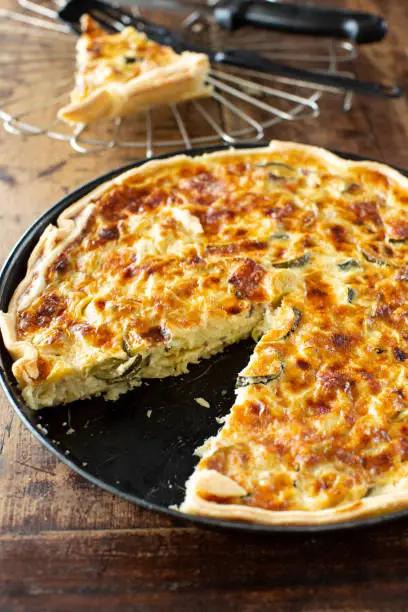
(126, 346)
(298, 262)
(246, 381)
(351, 294)
(115, 370)
(350, 264)
(279, 164)
(374, 260)
(397, 240)
(295, 325)
(279, 236)
(131, 59)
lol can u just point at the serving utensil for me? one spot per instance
(357, 26)
(115, 18)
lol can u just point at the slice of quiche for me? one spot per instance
(320, 422)
(126, 73)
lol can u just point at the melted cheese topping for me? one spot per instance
(175, 261)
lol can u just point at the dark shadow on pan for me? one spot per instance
(141, 446)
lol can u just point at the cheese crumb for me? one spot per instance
(202, 402)
(43, 430)
(149, 414)
(70, 431)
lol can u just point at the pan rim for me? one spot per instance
(19, 251)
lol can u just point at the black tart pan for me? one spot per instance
(141, 446)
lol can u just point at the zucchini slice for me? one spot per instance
(295, 324)
(351, 294)
(397, 240)
(349, 264)
(115, 370)
(298, 262)
(272, 163)
(279, 236)
(374, 260)
(246, 381)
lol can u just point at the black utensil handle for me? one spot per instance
(302, 19)
(253, 61)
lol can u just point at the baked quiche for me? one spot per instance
(126, 73)
(174, 260)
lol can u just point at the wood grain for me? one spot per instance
(186, 569)
(65, 545)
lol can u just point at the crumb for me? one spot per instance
(84, 463)
(149, 414)
(43, 430)
(70, 431)
(202, 402)
(199, 452)
(64, 424)
(220, 420)
(224, 392)
(67, 452)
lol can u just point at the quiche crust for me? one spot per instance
(201, 483)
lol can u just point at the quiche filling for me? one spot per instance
(173, 261)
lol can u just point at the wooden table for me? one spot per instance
(65, 545)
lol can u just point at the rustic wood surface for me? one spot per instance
(65, 545)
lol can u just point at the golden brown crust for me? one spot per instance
(173, 77)
(361, 509)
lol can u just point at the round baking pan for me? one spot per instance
(141, 446)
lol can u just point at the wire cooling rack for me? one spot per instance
(38, 57)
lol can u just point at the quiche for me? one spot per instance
(174, 260)
(126, 73)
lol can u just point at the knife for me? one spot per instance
(113, 17)
(357, 26)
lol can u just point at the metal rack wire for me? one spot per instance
(40, 51)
